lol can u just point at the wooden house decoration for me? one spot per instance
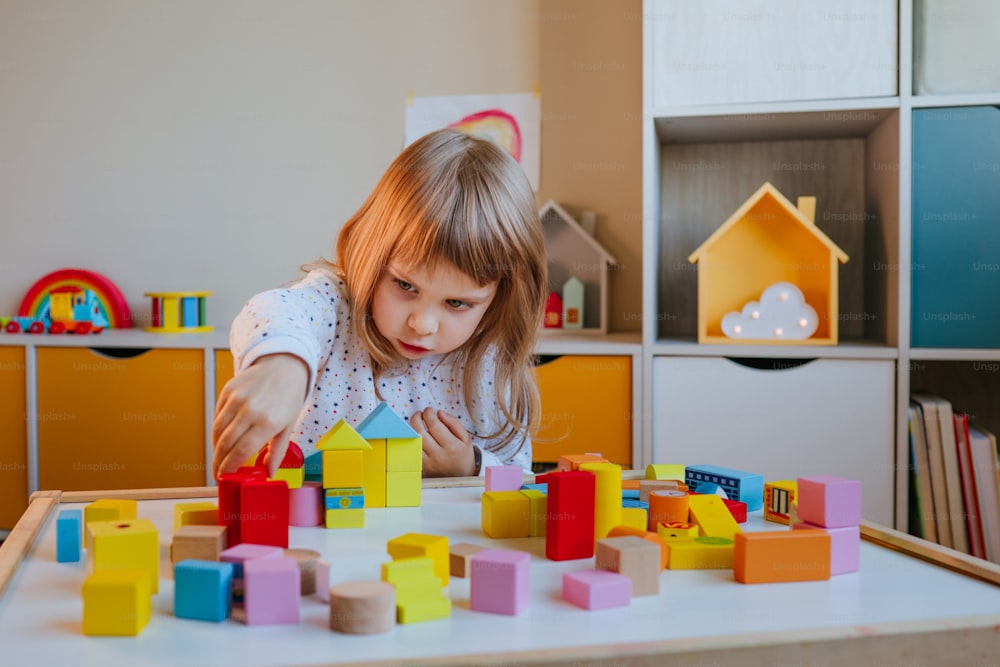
(767, 241)
(572, 252)
(394, 463)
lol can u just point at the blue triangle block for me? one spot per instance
(384, 423)
(314, 467)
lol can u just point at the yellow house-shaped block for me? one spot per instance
(394, 461)
(768, 240)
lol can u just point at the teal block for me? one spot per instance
(69, 532)
(203, 590)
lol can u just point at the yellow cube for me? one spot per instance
(538, 512)
(506, 514)
(204, 513)
(408, 570)
(635, 517)
(404, 454)
(116, 603)
(374, 474)
(402, 488)
(126, 544)
(413, 545)
(343, 468)
(345, 518)
(293, 477)
(107, 509)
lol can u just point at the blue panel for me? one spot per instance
(189, 312)
(956, 228)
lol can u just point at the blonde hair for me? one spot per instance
(450, 196)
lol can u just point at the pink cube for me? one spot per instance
(271, 591)
(845, 547)
(829, 501)
(597, 589)
(241, 553)
(305, 505)
(504, 478)
(500, 581)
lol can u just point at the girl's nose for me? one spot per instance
(423, 323)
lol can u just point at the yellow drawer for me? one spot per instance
(109, 422)
(13, 444)
(586, 407)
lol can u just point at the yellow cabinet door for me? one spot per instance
(224, 369)
(110, 422)
(14, 440)
(586, 407)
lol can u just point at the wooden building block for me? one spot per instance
(569, 531)
(230, 512)
(666, 506)
(781, 555)
(107, 509)
(434, 547)
(829, 501)
(669, 529)
(607, 496)
(460, 558)
(655, 538)
(203, 590)
(636, 558)
(271, 591)
(240, 554)
(637, 517)
(202, 513)
(418, 586)
(306, 505)
(663, 471)
(362, 607)
(712, 516)
(402, 488)
(845, 546)
(504, 478)
(423, 610)
(116, 603)
(537, 509)
(700, 553)
(345, 518)
(404, 454)
(737, 508)
(738, 484)
(413, 568)
(264, 512)
(506, 514)
(126, 544)
(346, 498)
(597, 589)
(778, 499)
(375, 473)
(69, 534)
(306, 559)
(323, 580)
(647, 485)
(500, 582)
(195, 542)
(293, 477)
(342, 436)
(568, 462)
(343, 468)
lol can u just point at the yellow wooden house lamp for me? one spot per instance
(768, 275)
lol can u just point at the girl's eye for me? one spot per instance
(457, 304)
(403, 285)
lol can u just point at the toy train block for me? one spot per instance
(343, 468)
(460, 558)
(434, 547)
(504, 478)
(500, 582)
(647, 485)
(537, 509)
(404, 454)
(737, 508)
(712, 516)
(403, 488)
(306, 559)
(69, 534)
(505, 514)
(667, 505)
(230, 513)
(665, 471)
(738, 485)
(107, 509)
(178, 312)
(845, 546)
(203, 590)
(829, 501)
(778, 499)
(362, 607)
(607, 496)
(264, 509)
(636, 517)
(271, 591)
(655, 538)
(306, 505)
(636, 558)
(323, 580)
(782, 555)
(126, 544)
(700, 553)
(675, 529)
(569, 529)
(197, 542)
(568, 462)
(203, 513)
(597, 589)
(116, 603)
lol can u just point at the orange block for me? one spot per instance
(781, 555)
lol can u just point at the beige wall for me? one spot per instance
(193, 144)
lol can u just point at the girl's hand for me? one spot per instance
(258, 407)
(447, 445)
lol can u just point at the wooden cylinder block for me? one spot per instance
(362, 607)
(306, 558)
(667, 505)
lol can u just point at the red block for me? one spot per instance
(737, 508)
(264, 507)
(569, 526)
(229, 500)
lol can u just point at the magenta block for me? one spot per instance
(271, 591)
(305, 505)
(829, 501)
(845, 547)
(246, 551)
(504, 478)
(500, 582)
(597, 589)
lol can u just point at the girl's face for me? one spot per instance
(423, 312)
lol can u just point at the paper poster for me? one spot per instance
(512, 121)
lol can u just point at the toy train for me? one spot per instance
(71, 310)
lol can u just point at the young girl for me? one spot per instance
(433, 305)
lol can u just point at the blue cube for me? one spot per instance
(69, 532)
(203, 590)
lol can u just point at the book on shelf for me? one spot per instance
(939, 481)
(923, 505)
(970, 495)
(953, 477)
(985, 466)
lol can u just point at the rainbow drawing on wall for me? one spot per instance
(496, 125)
(110, 300)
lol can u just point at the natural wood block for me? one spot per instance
(634, 557)
(362, 607)
(197, 542)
